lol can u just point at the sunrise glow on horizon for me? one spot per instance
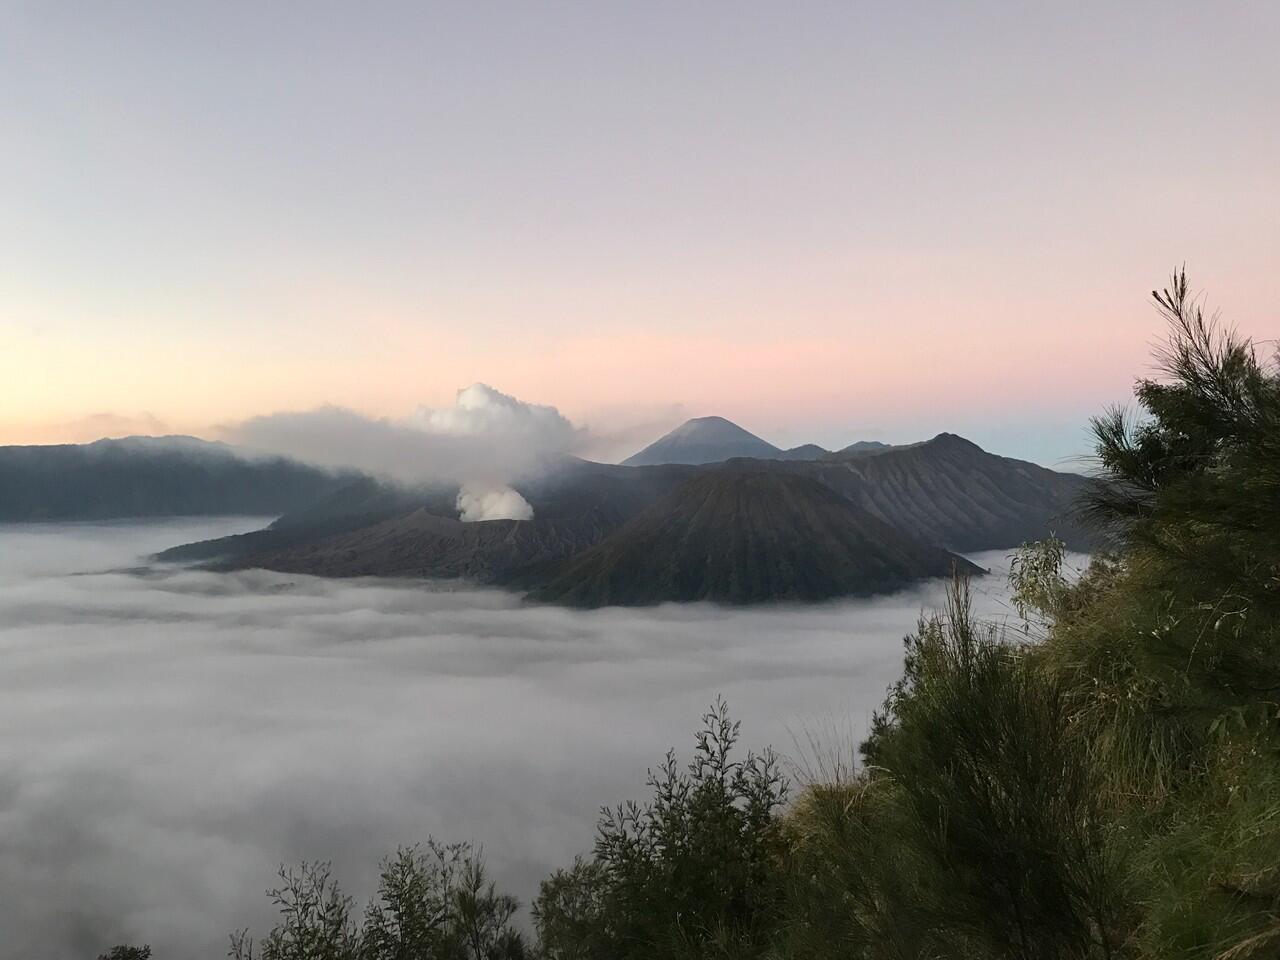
(848, 222)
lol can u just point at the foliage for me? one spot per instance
(858, 886)
(569, 913)
(315, 920)
(695, 872)
(125, 952)
(1035, 577)
(998, 794)
(434, 902)
(1113, 788)
(1196, 482)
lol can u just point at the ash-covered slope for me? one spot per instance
(427, 545)
(951, 492)
(739, 535)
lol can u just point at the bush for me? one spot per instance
(434, 902)
(696, 872)
(125, 952)
(999, 790)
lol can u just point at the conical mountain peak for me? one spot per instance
(704, 440)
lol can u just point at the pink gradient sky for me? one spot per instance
(827, 222)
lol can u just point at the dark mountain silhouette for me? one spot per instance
(152, 477)
(740, 535)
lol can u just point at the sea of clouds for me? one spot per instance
(168, 737)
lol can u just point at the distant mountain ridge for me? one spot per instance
(862, 447)
(794, 525)
(744, 531)
(806, 451)
(152, 477)
(704, 440)
(715, 440)
(950, 491)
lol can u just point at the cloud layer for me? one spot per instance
(168, 737)
(486, 437)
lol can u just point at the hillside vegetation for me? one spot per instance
(1103, 783)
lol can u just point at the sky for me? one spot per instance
(254, 718)
(825, 221)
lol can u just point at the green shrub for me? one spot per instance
(695, 872)
(434, 902)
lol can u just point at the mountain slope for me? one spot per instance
(151, 477)
(739, 535)
(704, 440)
(587, 500)
(806, 451)
(860, 448)
(361, 503)
(427, 545)
(951, 492)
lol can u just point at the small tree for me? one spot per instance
(1035, 578)
(1195, 482)
(695, 872)
(569, 913)
(978, 743)
(124, 952)
(315, 920)
(434, 902)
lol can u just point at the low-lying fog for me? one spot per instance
(168, 737)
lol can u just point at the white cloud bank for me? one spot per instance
(485, 441)
(168, 738)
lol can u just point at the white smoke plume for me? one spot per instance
(492, 503)
(486, 440)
